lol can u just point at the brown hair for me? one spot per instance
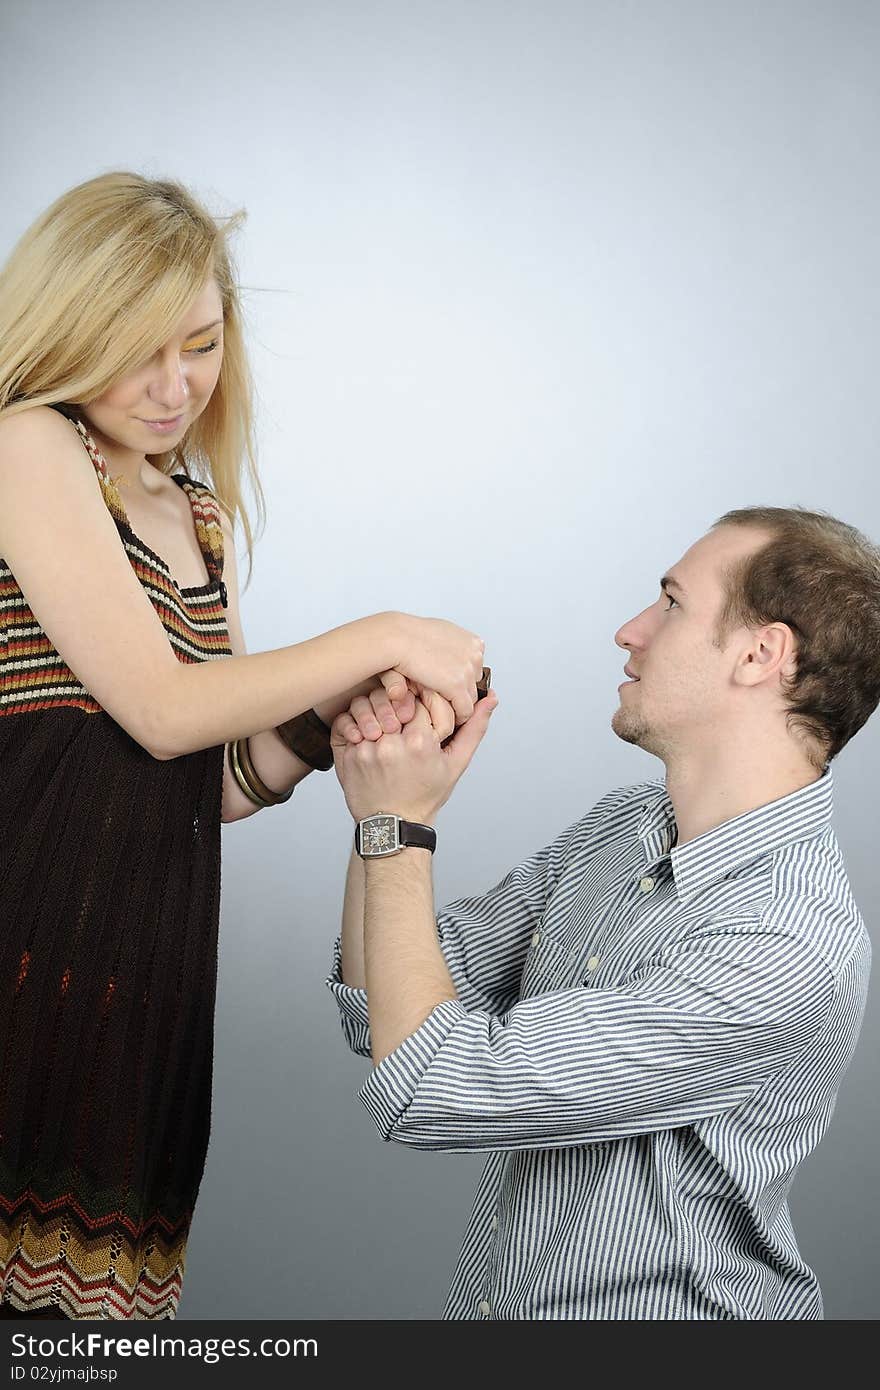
(821, 577)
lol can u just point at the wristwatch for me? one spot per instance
(377, 836)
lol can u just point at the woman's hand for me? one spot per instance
(438, 656)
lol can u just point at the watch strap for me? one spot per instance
(417, 836)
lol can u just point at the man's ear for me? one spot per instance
(771, 651)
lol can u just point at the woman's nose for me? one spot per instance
(171, 387)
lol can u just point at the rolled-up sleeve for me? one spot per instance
(692, 1034)
(352, 1004)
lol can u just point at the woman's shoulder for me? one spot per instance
(47, 480)
(37, 422)
(39, 446)
(42, 453)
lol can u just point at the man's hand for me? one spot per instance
(405, 773)
(391, 686)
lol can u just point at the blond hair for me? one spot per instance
(96, 285)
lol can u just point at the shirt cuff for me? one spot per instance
(390, 1087)
(352, 1004)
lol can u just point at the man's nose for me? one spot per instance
(634, 632)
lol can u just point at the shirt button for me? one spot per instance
(485, 1308)
(646, 885)
(536, 938)
(494, 1223)
(593, 963)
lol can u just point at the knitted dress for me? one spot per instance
(109, 906)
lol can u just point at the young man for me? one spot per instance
(647, 1022)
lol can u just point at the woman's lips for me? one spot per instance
(163, 426)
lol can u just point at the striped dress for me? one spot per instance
(109, 907)
(649, 1040)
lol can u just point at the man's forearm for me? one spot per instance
(406, 975)
(353, 924)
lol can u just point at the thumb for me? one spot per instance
(441, 713)
(395, 684)
(468, 737)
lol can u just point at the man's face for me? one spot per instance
(683, 699)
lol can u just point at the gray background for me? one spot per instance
(537, 292)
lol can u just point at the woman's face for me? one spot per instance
(176, 383)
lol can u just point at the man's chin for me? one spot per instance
(628, 729)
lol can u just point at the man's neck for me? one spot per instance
(713, 787)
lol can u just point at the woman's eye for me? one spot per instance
(671, 602)
(205, 347)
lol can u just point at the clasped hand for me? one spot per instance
(388, 752)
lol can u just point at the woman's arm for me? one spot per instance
(61, 543)
(275, 764)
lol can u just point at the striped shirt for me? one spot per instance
(648, 1039)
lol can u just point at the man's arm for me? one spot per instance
(689, 1035)
(352, 940)
(404, 972)
(484, 937)
(371, 716)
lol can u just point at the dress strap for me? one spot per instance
(209, 532)
(108, 487)
(203, 504)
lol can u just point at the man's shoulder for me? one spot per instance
(811, 897)
(799, 890)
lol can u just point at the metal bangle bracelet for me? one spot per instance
(249, 779)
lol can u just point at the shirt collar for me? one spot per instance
(717, 853)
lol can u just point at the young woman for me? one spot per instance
(131, 724)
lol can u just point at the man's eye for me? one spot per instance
(671, 602)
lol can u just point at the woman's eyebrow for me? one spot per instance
(196, 331)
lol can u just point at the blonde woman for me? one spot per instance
(125, 414)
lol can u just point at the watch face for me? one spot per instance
(379, 835)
